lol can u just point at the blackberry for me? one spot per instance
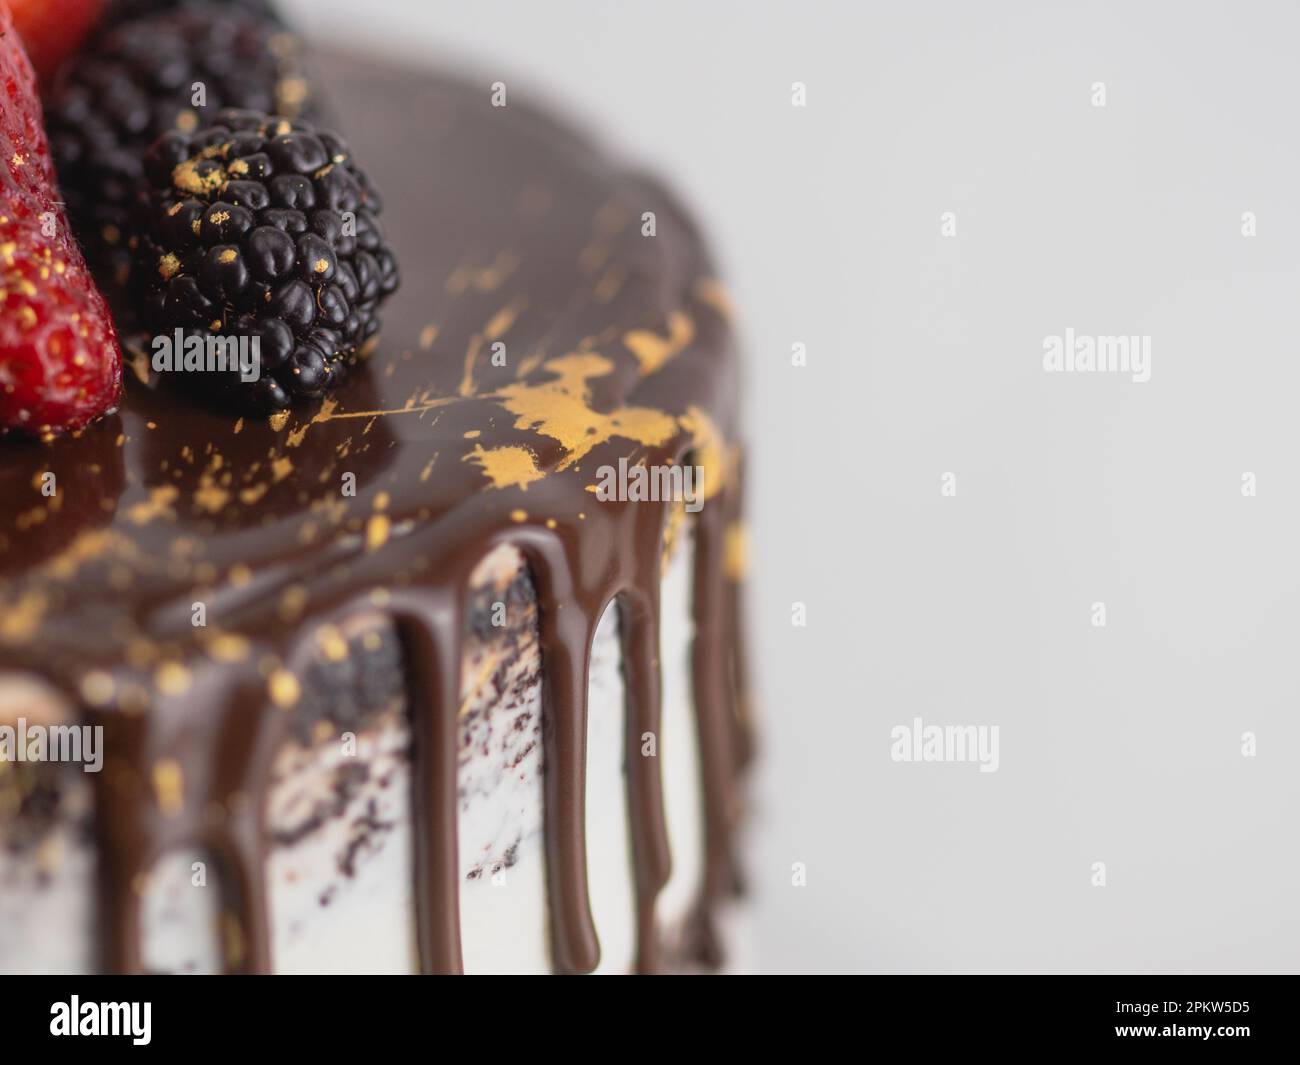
(260, 227)
(137, 80)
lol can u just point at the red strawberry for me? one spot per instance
(52, 29)
(60, 365)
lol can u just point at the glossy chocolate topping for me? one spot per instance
(538, 335)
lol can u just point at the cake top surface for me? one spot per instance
(540, 333)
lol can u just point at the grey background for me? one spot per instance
(1118, 744)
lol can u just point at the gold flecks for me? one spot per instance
(281, 468)
(551, 523)
(228, 256)
(187, 121)
(278, 420)
(473, 434)
(380, 597)
(238, 427)
(19, 622)
(187, 178)
(159, 505)
(172, 678)
(292, 602)
(228, 647)
(711, 292)
(710, 448)
(284, 688)
(428, 335)
(508, 466)
(210, 496)
(239, 168)
(499, 324)
(18, 159)
(290, 95)
(610, 283)
(240, 575)
(332, 644)
(381, 501)
(735, 551)
(427, 472)
(219, 218)
(672, 530)
(169, 786)
(486, 278)
(97, 688)
(471, 353)
(253, 493)
(232, 939)
(652, 350)
(372, 641)
(518, 516)
(377, 529)
(561, 409)
(320, 265)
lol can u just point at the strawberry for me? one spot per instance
(53, 29)
(60, 364)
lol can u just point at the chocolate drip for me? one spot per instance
(432, 639)
(506, 225)
(711, 663)
(639, 633)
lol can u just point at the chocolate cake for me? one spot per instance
(383, 684)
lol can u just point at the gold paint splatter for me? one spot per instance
(652, 350)
(173, 679)
(158, 505)
(710, 448)
(519, 515)
(169, 786)
(711, 292)
(228, 647)
(735, 551)
(501, 322)
(292, 602)
(561, 409)
(284, 688)
(377, 529)
(507, 466)
(332, 643)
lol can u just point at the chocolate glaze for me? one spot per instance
(509, 228)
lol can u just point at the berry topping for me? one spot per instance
(60, 365)
(139, 78)
(53, 29)
(258, 227)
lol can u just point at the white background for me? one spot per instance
(1118, 744)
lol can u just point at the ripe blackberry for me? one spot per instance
(261, 227)
(137, 80)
